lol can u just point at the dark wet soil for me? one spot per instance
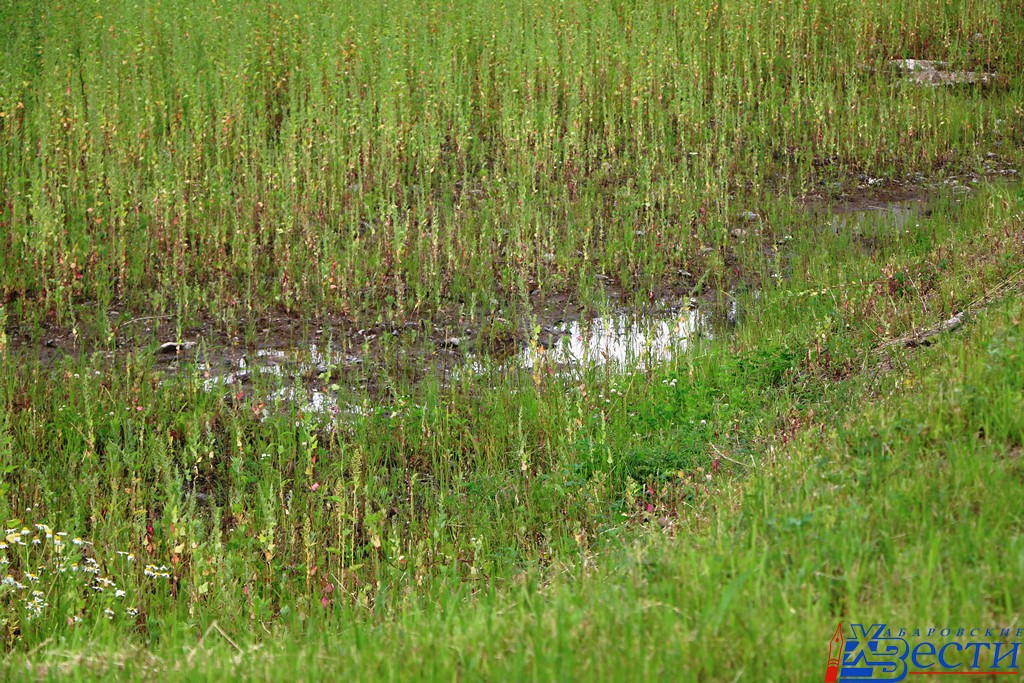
(446, 339)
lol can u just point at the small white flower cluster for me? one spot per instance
(36, 604)
(11, 582)
(155, 572)
(103, 582)
(19, 536)
(43, 537)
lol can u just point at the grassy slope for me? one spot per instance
(170, 158)
(906, 512)
(881, 489)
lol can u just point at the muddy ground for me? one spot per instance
(312, 361)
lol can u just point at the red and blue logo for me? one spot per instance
(881, 653)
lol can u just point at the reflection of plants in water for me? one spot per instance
(623, 341)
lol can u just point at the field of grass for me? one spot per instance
(386, 160)
(425, 168)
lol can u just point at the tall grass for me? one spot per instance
(385, 160)
(415, 168)
(440, 490)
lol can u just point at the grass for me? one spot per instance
(485, 529)
(419, 168)
(411, 159)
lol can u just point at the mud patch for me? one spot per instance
(332, 368)
(317, 380)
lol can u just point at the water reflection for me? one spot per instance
(305, 376)
(624, 341)
(888, 215)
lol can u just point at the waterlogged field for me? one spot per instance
(579, 340)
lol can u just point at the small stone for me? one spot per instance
(168, 348)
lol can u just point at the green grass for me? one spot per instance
(489, 529)
(406, 159)
(426, 167)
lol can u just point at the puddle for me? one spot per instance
(294, 369)
(350, 376)
(326, 381)
(623, 341)
(316, 380)
(934, 73)
(865, 216)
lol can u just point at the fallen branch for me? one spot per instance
(1013, 283)
(732, 460)
(921, 339)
